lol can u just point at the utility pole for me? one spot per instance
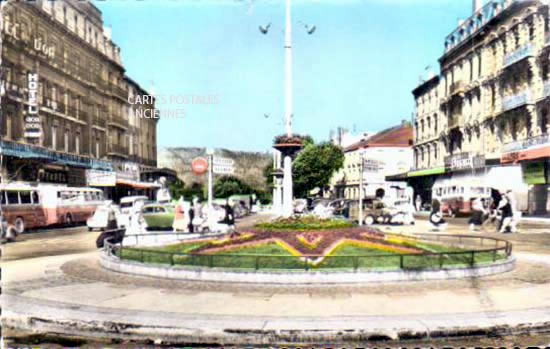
(361, 190)
(210, 153)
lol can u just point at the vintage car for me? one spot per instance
(127, 205)
(158, 216)
(377, 211)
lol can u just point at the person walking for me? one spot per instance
(436, 216)
(507, 216)
(478, 212)
(418, 203)
(180, 216)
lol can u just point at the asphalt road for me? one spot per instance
(50, 242)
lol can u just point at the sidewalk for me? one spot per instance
(90, 301)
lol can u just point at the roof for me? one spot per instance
(397, 136)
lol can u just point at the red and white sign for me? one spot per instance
(199, 166)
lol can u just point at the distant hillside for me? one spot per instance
(249, 166)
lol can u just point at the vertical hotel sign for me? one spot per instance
(33, 129)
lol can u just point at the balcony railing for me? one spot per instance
(118, 121)
(118, 149)
(60, 107)
(120, 92)
(100, 122)
(517, 100)
(518, 55)
(71, 111)
(475, 23)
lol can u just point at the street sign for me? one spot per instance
(199, 166)
(223, 165)
(223, 161)
(220, 169)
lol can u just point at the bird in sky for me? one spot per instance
(265, 29)
(310, 30)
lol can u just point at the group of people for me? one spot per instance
(196, 217)
(502, 207)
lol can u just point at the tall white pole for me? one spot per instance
(210, 171)
(288, 70)
(287, 161)
(361, 191)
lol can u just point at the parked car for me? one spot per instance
(105, 217)
(158, 216)
(127, 205)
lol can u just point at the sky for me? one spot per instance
(210, 63)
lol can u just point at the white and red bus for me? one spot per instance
(28, 206)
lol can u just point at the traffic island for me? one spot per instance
(309, 250)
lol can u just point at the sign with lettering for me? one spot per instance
(464, 161)
(33, 129)
(98, 178)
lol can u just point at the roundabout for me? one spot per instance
(76, 297)
(309, 251)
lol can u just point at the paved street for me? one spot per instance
(66, 282)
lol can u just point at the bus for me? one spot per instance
(27, 206)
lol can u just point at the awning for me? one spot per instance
(137, 184)
(428, 172)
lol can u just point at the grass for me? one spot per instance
(273, 257)
(304, 223)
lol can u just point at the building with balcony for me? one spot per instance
(386, 153)
(80, 110)
(490, 101)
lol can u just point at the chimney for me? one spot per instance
(476, 5)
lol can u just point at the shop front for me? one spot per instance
(533, 155)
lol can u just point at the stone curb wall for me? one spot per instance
(298, 277)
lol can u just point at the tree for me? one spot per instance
(314, 166)
(178, 189)
(226, 186)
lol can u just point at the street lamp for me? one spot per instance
(287, 161)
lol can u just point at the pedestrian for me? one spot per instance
(507, 216)
(436, 217)
(180, 216)
(478, 212)
(229, 218)
(418, 203)
(191, 213)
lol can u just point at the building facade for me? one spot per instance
(489, 106)
(386, 153)
(65, 102)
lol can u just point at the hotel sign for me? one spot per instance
(33, 129)
(40, 46)
(464, 161)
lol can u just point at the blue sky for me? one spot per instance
(357, 70)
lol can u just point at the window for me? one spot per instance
(13, 197)
(25, 197)
(2, 198)
(66, 141)
(77, 143)
(54, 137)
(544, 122)
(8, 126)
(35, 197)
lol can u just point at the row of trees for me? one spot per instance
(312, 168)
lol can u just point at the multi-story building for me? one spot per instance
(486, 114)
(386, 153)
(65, 103)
